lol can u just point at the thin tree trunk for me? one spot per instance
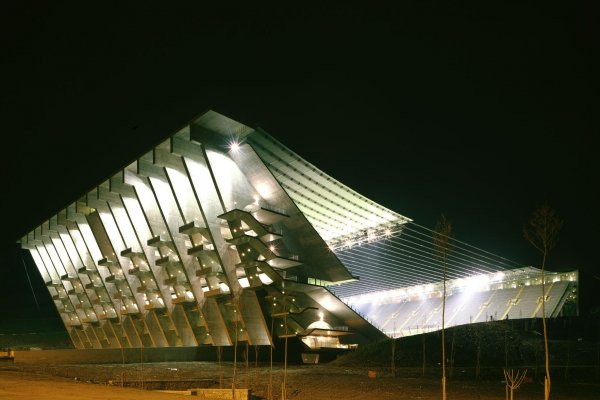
(247, 355)
(219, 356)
(270, 390)
(393, 357)
(452, 354)
(256, 370)
(122, 351)
(285, 357)
(478, 365)
(423, 336)
(234, 361)
(505, 349)
(568, 360)
(444, 337)
(546, 353)
(542, 232)
(441, 247)
(142, 364)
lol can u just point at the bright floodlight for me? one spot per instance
(234, 146)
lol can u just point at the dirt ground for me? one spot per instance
(316, 382)
(22, 385)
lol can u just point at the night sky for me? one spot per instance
(481, 111)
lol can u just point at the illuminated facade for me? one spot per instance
(198, 242)
(221, 234)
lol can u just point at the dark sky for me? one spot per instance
(480, 111)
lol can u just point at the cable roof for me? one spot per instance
(407, 258)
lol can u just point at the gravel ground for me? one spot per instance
(310, 382)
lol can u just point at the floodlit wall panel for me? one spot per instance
(195, 240)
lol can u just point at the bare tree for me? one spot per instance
(442, 248)
(513, 380)
(541, 231)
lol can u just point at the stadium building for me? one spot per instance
(221, 234)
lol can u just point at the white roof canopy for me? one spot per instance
(337, 212)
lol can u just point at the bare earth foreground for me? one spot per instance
(83, 382)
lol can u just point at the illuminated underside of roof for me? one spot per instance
(337, 212)
(381, 247)
(406, 258)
